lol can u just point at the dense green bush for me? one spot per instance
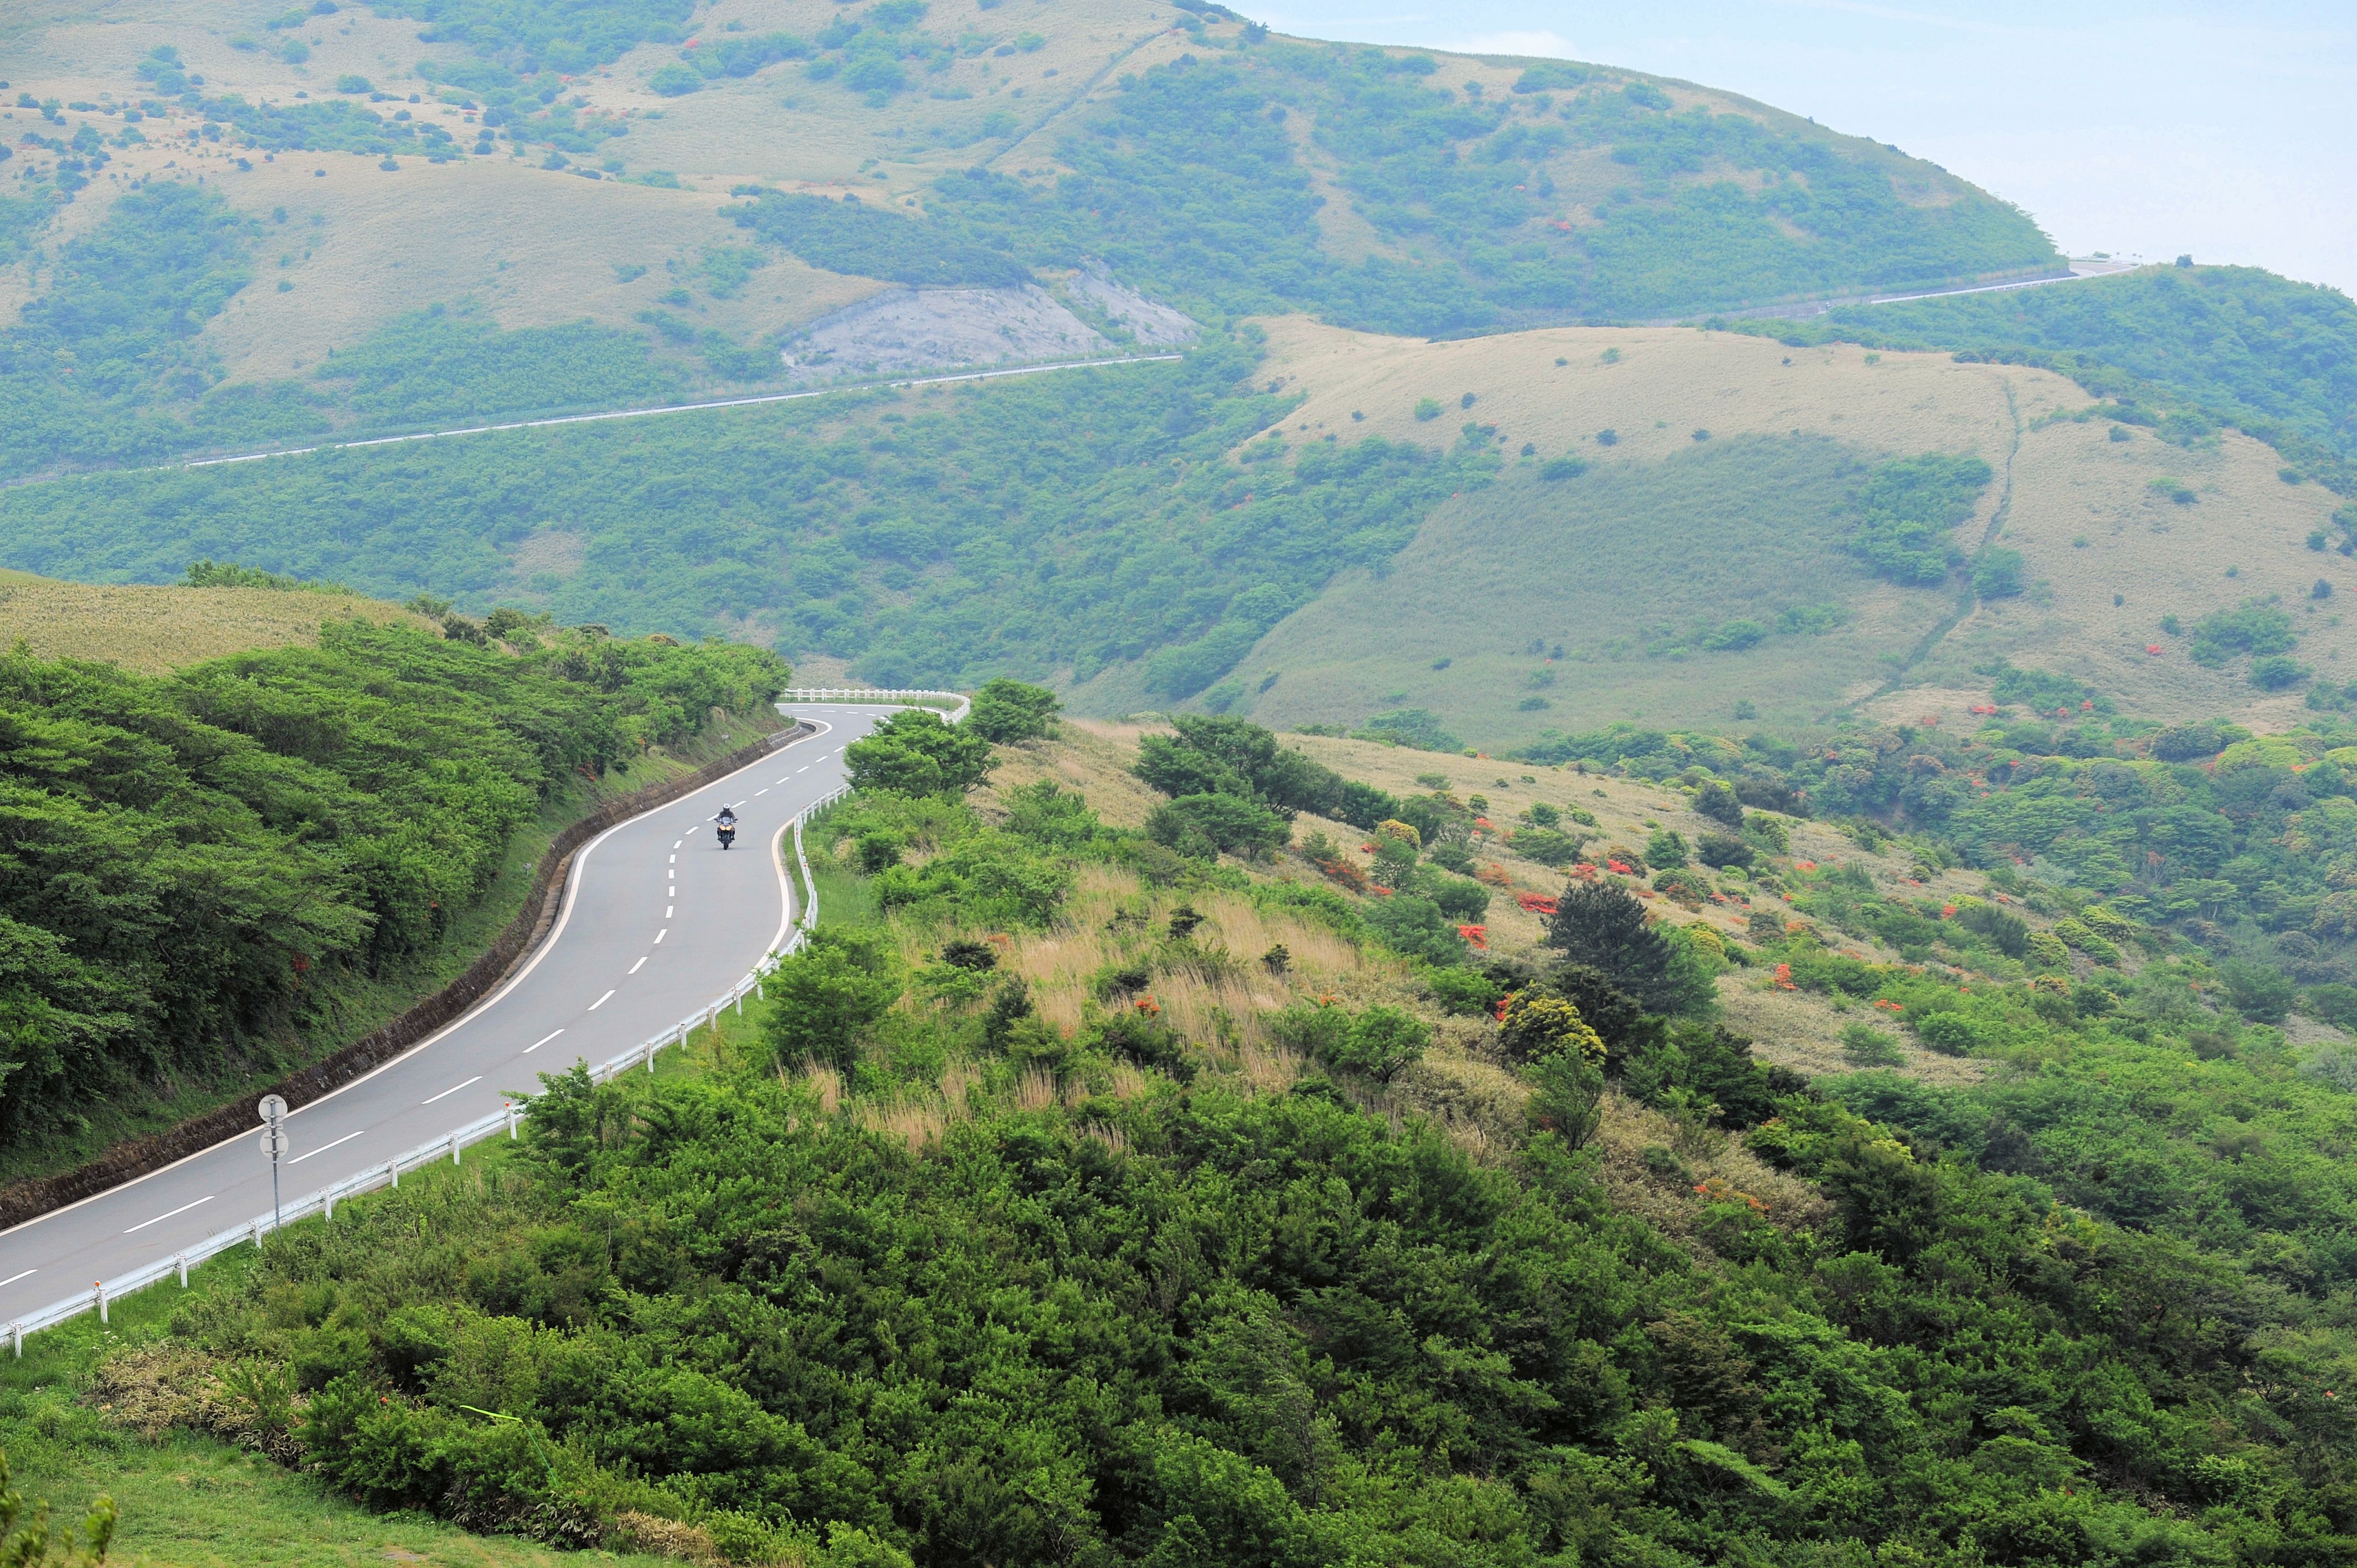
(1213, 759)
(915, 751)
(1909, 509)
(1188, 1326)
(1006, 711)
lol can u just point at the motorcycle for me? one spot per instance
(727, 825)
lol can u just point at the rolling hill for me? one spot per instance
(1535, 603)
(236, 229)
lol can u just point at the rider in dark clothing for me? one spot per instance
(728, 820)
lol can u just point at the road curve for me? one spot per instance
(658, 921)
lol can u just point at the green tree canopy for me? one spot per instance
(918, 752)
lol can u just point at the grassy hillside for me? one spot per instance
(241, 266)
(1538, 603)
(1126, 532)
(356, 168)
(2221, 344)
(152, 630)
(1235, 1231)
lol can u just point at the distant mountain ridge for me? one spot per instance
(541, 230)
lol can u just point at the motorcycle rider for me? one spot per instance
(727, 824)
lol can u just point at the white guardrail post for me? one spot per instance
(104, 1293)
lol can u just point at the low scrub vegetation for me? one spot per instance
(1043, 1213)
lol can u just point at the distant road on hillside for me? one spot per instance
(2089, 267)
(600, 416)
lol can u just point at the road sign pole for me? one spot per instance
(273, 1111)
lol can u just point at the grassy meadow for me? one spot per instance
(155, 629)
(1665, 532)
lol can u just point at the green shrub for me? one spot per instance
(830, 991)
(1379, 1043)
(1195, 824)
(1735, 636)
(1997, 574)
(915, 751)
(1953, 1034)
(2252, 626)
(2262, 994)
(2276, 672)
(1719, 851)
(1006, 711)
(1908, 512)
(1865, 1046)
(1466, 993)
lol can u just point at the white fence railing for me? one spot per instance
(449, 1145)
(878, 695)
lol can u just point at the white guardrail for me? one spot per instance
(99, 1296)
(875, 694)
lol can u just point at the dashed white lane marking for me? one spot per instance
(12, 1279)
(803, 768)
(758, 793)
(542, 1041)
(675, 844)
(161, 1218)
(674, 861)
(667, 908)
(602, 1001)
(637, 966)
(661, 935)
(325, 1147)
(454, 1089)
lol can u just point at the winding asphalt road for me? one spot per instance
(658, 922)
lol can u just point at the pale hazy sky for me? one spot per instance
(2150, 127)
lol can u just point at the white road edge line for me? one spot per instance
(325, 1147)
(452, 1090)
(602, 1001)
(161, 1218)
(540, 1042)
(637, 966)
(547, 945)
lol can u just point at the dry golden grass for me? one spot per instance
(534, 247)
(1090, 756)
(1804, 1032)
(1666, 1198)
(1539, 561)
(153, 629)
(2073, 483)
(1667, 382)
(1113, 919)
